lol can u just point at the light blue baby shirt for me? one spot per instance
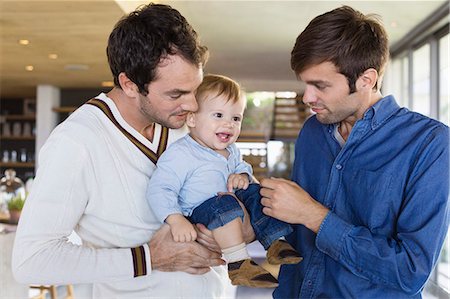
(187, 174)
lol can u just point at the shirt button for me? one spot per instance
(338, 166)
(309, 282)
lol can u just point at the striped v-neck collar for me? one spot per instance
(163, 138)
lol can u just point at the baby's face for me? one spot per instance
(217, 123)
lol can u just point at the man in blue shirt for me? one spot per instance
(369, 197)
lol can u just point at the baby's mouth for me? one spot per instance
(224, 137)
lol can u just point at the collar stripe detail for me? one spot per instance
(144, 149)
(163, 141)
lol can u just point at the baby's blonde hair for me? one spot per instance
(215, 85)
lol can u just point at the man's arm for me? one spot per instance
(41, 253)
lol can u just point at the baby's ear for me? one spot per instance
(190, 120)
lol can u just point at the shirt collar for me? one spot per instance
(381, 111)
(378, 113)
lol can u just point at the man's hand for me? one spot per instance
(287, 201)
(206, 238)
(182, 230)
(190, 257)
(237, 181)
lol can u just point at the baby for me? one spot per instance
(195, 173)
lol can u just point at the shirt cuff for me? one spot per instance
(141, 260)
(331, 235)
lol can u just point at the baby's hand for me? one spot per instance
(182, 230)
(237, 181)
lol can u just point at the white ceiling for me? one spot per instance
(248, 40)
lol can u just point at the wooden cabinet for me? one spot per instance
(17, 136)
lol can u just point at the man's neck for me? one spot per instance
(129, 110)
(346, 126)
(148, 132)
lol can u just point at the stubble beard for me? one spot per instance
(165, 122)
(332, 118)
(152, 115)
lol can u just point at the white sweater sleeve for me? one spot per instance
(58, 200)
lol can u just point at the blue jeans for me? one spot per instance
(221, 209)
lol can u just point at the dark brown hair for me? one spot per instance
(143, 38)
(353, 42)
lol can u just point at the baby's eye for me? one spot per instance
(236, 118)
(218, 115)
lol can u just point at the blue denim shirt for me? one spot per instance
(387, 190)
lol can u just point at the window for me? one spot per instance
(399, 86)
(404, 81)
(444, 78)
(421, 80)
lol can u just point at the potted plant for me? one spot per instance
(15, 207)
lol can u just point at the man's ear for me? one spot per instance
(368, 80)
(128, 86)
(190, 120)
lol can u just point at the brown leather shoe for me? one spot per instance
(250, 274)
(281, 252)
